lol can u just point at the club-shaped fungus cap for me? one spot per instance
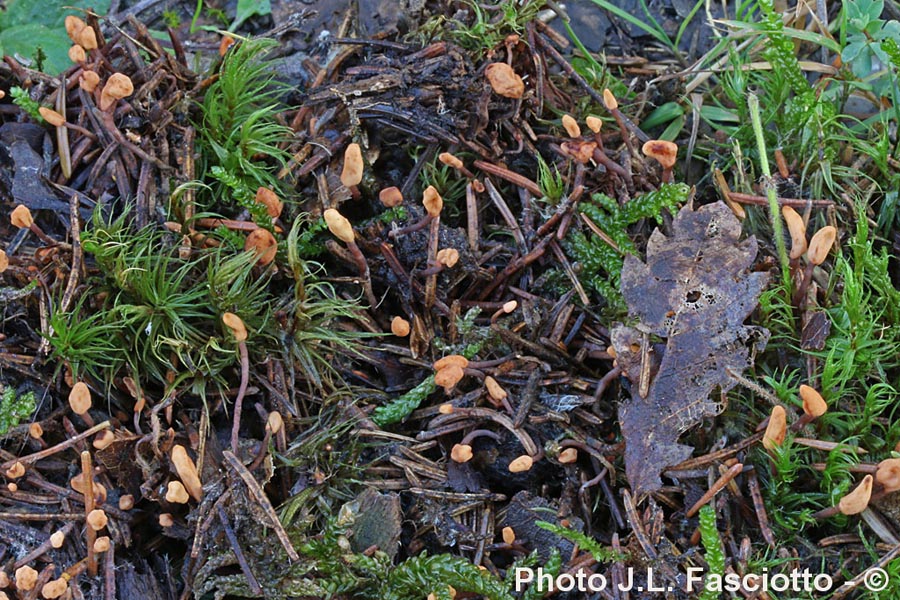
(77, 54)
(857, 500)
(448, 257)
(74, 27)
(461, 453)
(888, 474)
(187, 472)
(665, 153)
(820, 244)
(400, 326)
(510, 306)
(89, 81)
(448, 377)
(236, 325)
(508, 534)
(118, 86)
(15, 471)
(595, 124)
(274, 422)
(21, 217)
(580, 150)
(776, 429)
(26, 577)
(270, 200)
(80, 398)
(126, 502)
(176, 493)
(432, 201)
(55, 588)
(102, 544)
(521, 464)
(79, 484)
(813, 403)
(797, 230)
(391, 196)
(568, 455)
(87, 38)
(571, 126)
(339, 226)
(103, 439)
(504, 80)
(57, 539)
(450, 160)
(4, 261)
(166, 520)
(97, 519)
(353, 166)
(51, 116)
(494, 389)
(610, 100)
(451, 360)
(263, 243)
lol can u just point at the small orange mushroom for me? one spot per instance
(21, 217)
(52, 117)
(4, 261)
(595, 124)
(508, 534)
(391, 196)
(400, 326)
(820, 244)
(57, 539)
(610, 100)
(858, 499)
(274, 422)
(339, 226)
(187, 472)
(126, 502)
(118, 86)
(451, 360)
(814, 404)
(461, 453)
(263, 243)
(352, 173)
(797, 230)
(236, 325)
(665, 153)
(571, 126)
(55, 588)
(448, 257)
(176, 493)
(494, 389)
(448, 377)
(521, 464)
(89, 81)
(77, 54)
(888, 474)
(432, 201)
(80, 398)
(504, 80)
(74, 27)
(26, 578)
(776, 430)
(270, 200)
(166, 520)
(97, 519)
(87, 38)
(568, 456)
(15, 471)
(102, 544)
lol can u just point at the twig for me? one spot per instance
(31, 458)
(257, 492)
(252, 583)
(715, 488)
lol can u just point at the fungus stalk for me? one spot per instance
(819, 247)
(90, 535)
(21, 218)
(433, 203)
(340, 227)
(236, 325)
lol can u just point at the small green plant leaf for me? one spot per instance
(250, 8)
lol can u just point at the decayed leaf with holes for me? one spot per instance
(694, 291)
